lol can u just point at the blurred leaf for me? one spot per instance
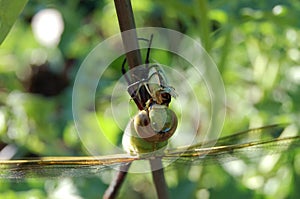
(9, 11)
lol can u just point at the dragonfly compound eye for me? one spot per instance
(141, 119)
(162, 125)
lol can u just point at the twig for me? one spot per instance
(126, 22)
(159, 178)
(130, 41)
(112, 190)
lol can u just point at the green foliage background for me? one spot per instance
(255, 45)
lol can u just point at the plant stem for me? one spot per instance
(115, 185)
(159, 178)
(130, 41)
(126, 22)
(202, 13)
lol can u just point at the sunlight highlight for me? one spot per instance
(47, 26)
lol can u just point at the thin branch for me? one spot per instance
(126, 22)
(130, 41)
(112, 191)
(159, 178)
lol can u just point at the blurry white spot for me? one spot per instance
(2, 121)
(254, 94)
(285, 173)
(291, 35)
(195, 173)
(236, 168)
(271, 186)
(171, 177)
(7, 152)
(107, 176)
(203, 194)
(254, 182)
(294, 54)
(47, 26)
(294, 74)
(277, 10)
(64, 189)
(32, 197)
(268, 162)
(291, 130)
(38, 57)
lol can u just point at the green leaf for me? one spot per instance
(9, 11)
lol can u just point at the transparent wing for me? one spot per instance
(247, 144)
(61, 166)
(250, 144)
(250, 135)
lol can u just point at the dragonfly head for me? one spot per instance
(142, 118)
(157, 124)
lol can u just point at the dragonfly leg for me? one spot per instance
(142, 88)
(148, 51)
(139, 91)
(146, 60)
(149, 48)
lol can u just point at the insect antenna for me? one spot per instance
(146, 60)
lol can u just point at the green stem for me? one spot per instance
(225, 50)
(201, 13)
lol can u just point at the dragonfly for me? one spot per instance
(146, 138)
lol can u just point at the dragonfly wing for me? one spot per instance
(251, 135)
(61, 166)
(222, 154)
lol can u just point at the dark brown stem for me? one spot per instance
(159, 178)
(134, 59)
(130, 41)
(112, 191)
(126, 22)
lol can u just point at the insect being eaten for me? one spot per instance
(155, 123)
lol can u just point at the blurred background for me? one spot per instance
(255, 44)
